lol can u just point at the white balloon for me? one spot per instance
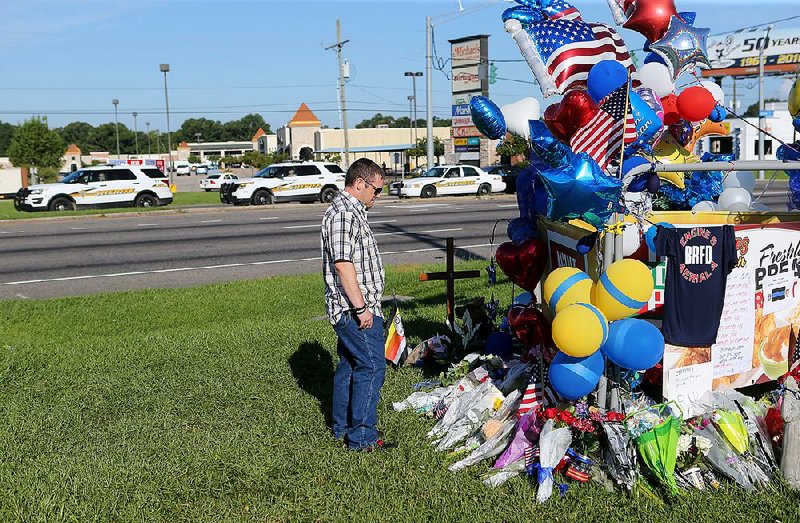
(704, 206)
(657, 77)
(735, 199)
(744, 179)
(631, 241)
(519, 113)
(715, 90)
(759, 207)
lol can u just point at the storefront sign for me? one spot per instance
(737, 54)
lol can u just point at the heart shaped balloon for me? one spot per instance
(574, 111)
(524, 263)
(530, 326)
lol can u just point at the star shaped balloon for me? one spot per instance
(682, 46)
(651, 18)
(580, 189)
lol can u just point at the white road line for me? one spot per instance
(6, 232)
(223, 266)
(441, 230)
(382, 221)
(210, 221)
(78, 228)
(147, 225)
(302, 226)
(271, 218)
(371, 212)
(507, 205)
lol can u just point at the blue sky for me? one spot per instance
(69, 59)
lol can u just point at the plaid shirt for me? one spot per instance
(346, 236)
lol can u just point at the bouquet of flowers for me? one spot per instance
(553, 444)
(722, 457)
(656, 431)
(527, 434)
(692, 449)
(619, 452)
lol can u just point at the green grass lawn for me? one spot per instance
(182, 199)
(210, 404)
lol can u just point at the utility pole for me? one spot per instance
(429, 87)
(149, 152)
(338, 46)
(414, 75)
(116, 123)
(136, 132)
(761, 122)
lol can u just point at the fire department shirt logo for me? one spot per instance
(698, 258)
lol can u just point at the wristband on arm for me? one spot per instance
(360, 310)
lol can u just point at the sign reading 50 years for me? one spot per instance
(737, 54)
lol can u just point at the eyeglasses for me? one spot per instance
(377, 190)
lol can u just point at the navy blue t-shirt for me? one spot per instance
(700, 259)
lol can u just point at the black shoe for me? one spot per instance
(378, 446)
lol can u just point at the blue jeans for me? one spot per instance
(357, 381)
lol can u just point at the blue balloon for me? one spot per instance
(718, 114)
(648, 125)
(653, 57)
(524, 14)
(688, 16)
(796, 124)
(650, 235)
(635, 166)
(791, 153)
(500, 344)
(487, 117)
(587, 243)
(523, 298)
(574, 378)
(604, 77)
(633, 344)
(546, 148)
(520, 230)
(581, 190)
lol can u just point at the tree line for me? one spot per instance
(103, 137)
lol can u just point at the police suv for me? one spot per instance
(94, 187)
(307, 181)
(449, 179)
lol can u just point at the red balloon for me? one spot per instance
(651, 17)
(695, 103)
(574, 111)
(524, 263)
(671, 114)
(530, 326)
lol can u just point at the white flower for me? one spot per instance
(702, 444)
(684, 443)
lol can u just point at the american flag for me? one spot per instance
(561, 9)
(570, 48)
(538, 393)
(604, 136)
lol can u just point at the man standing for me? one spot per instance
(354, 280)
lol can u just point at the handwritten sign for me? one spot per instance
(690, 387)
(778, 292)
(733, 352)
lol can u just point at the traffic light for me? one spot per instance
(492, 73)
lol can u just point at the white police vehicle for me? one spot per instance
(96, 187)
(447, 180)
(306, 181)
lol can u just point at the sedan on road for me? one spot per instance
(509, 174)
(213, 181)
(448, 180)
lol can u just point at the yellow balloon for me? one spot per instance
(668, 150)
(579, 330)
(623, 289)
(565, 286)
(794, 99)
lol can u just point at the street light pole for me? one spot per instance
(761, 122)
(342, 100)
(148, 138)
(410, 130)
(164, 68)
(414, 75)
(116, 123)
(429, 87)
(136, 133)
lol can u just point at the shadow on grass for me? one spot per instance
(312, 367)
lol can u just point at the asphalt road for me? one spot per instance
(75, 256)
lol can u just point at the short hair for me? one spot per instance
(363, 168)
